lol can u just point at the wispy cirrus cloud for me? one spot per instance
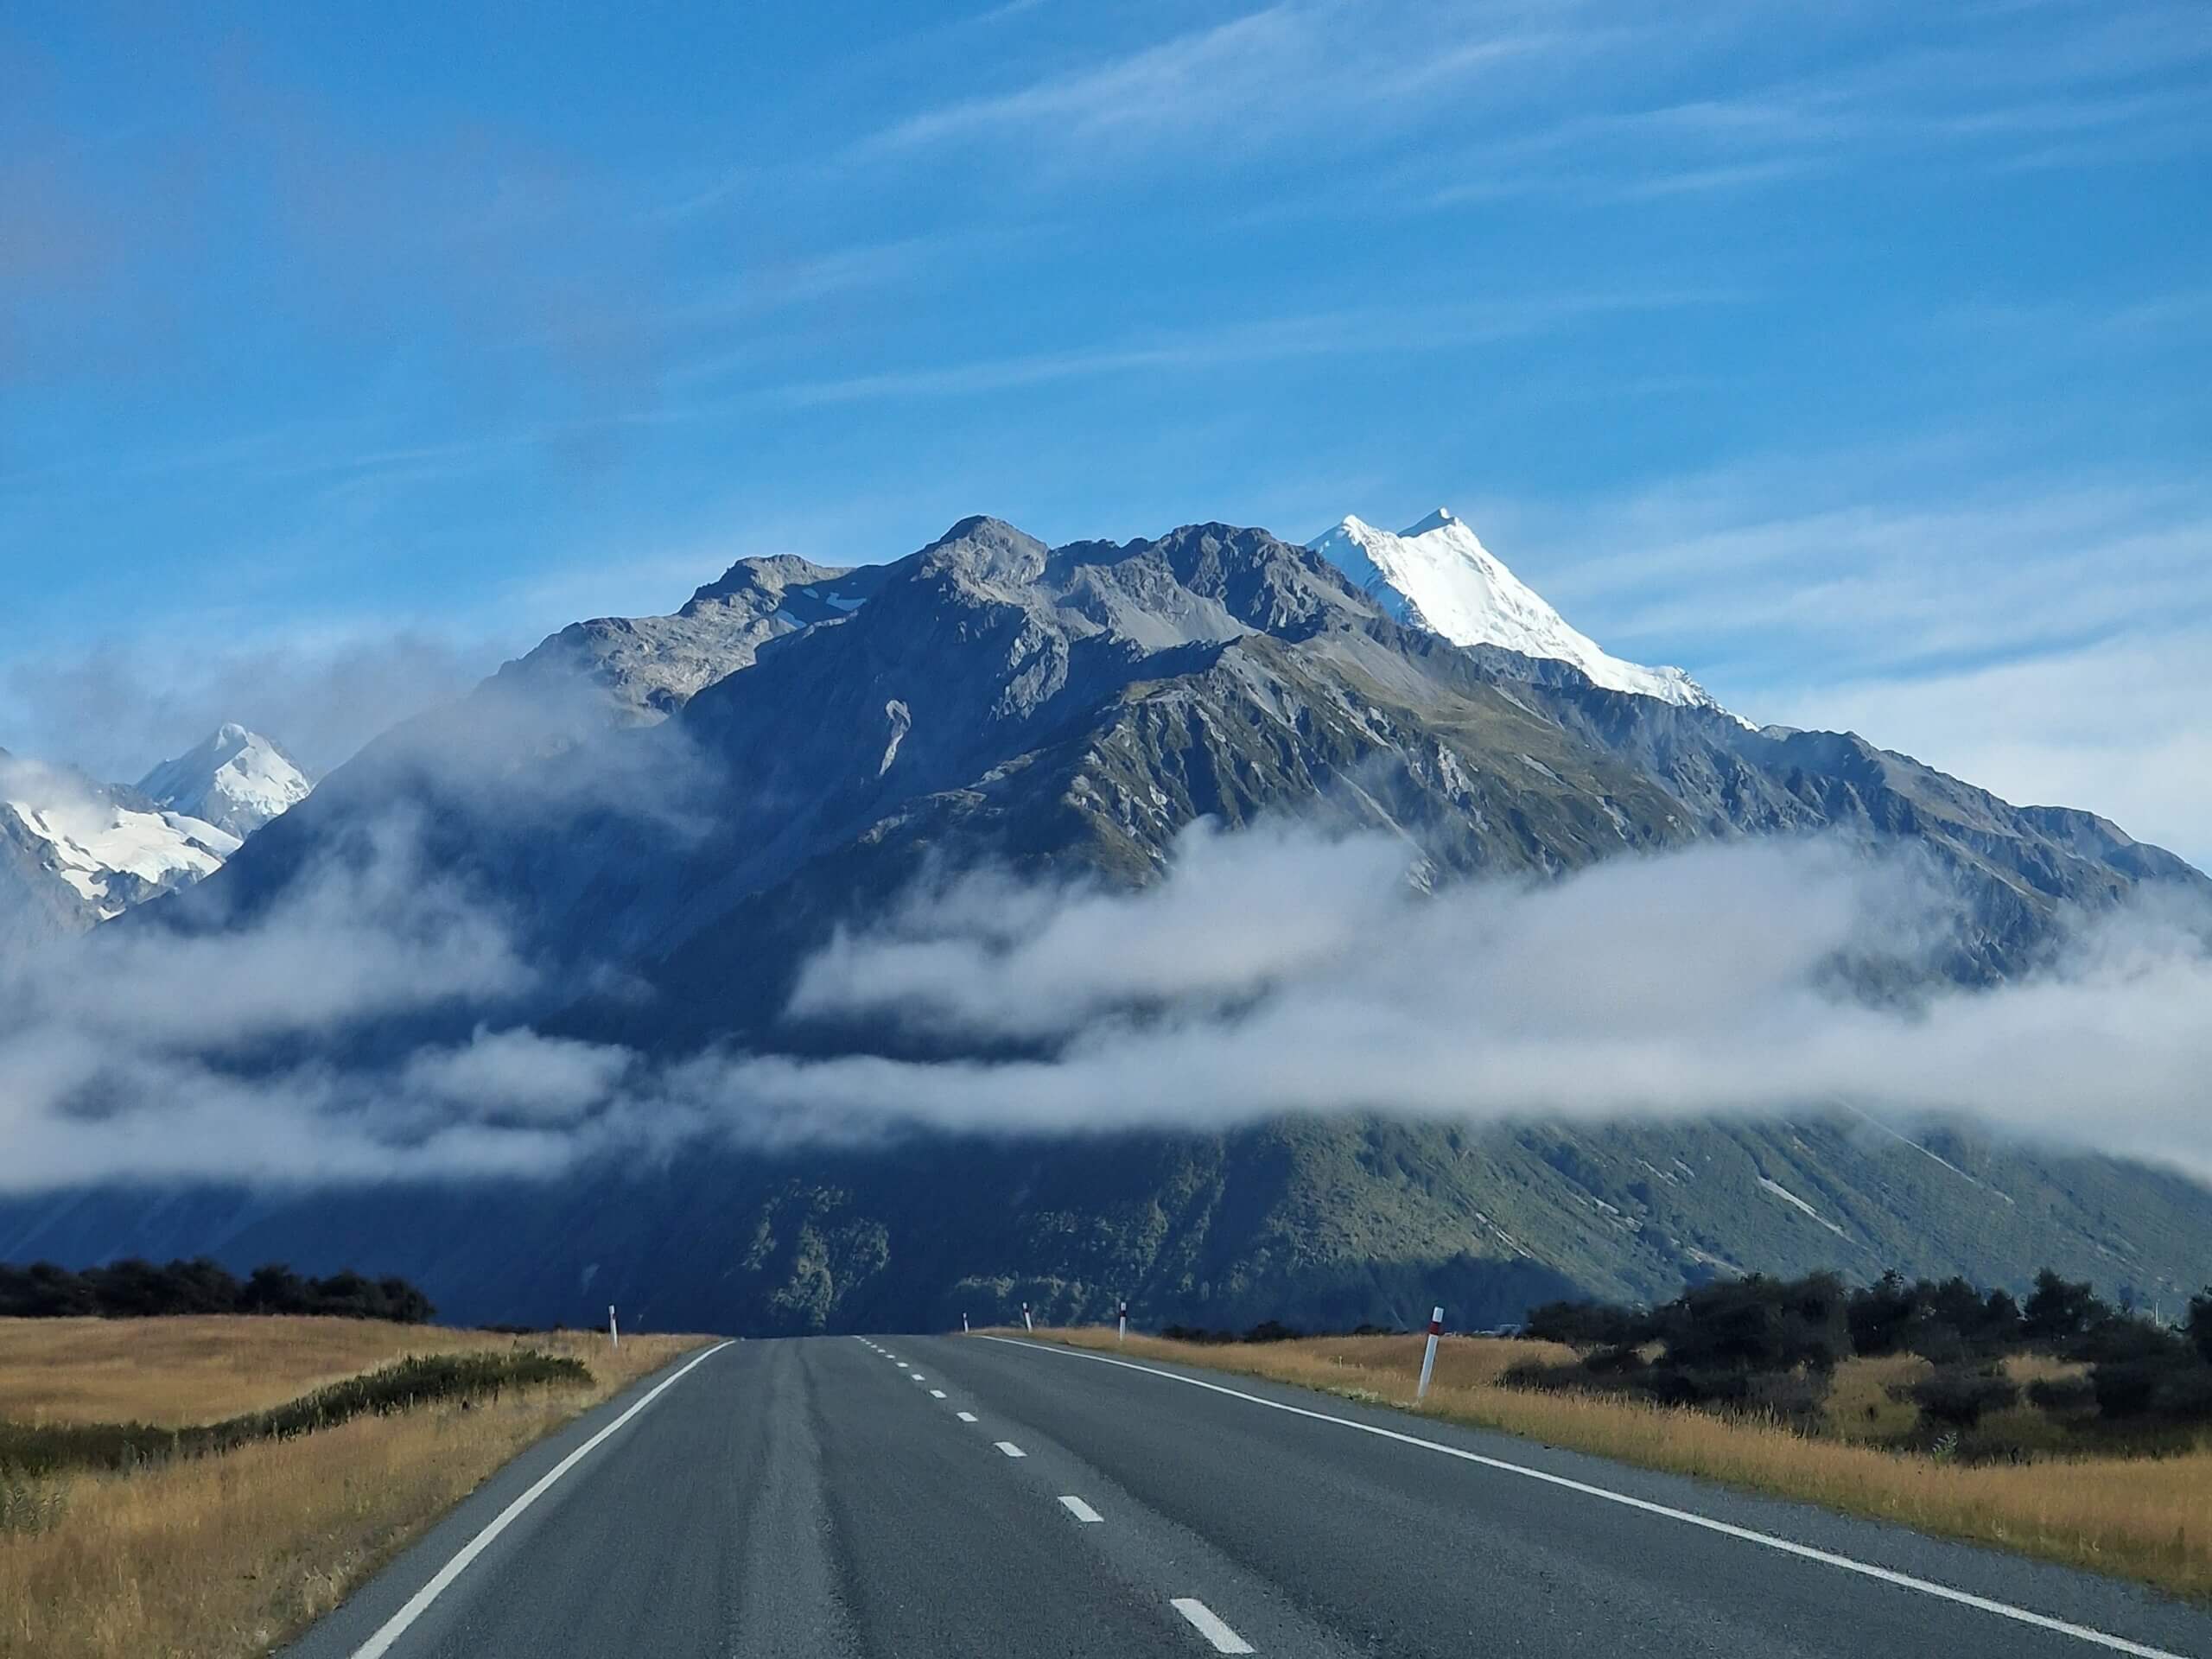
(1355, 331)
(1249, 81)
(1728, 104)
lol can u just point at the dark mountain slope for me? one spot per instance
(990, 702)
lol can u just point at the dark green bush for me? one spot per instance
(2199, 1326)
(2176, 1391)
(1759, 1324)
(2059, 1310)
(1958, 1396)
(2063, 1396)
(1587, 1324)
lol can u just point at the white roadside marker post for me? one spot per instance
(614, 1334)
(963, 1324)
(1027, 1323)
(1121, 1324)
(1428, 1356)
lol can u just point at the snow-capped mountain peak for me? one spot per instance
(1437, 574)
(236, 781)
(82, 853)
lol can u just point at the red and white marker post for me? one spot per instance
(1121, 1324)
(1428, 1356)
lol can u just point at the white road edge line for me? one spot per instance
(1082, 1511)
(937, 1393)
(1204, 1619)
(965, 1416)
(1806, 1552)
(1011, 1449)
(395, 1627)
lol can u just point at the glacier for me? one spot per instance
(1437, 575)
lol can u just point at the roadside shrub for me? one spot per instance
(1586, 1325)
(1759, 1324)
(1938, 1342)
(1958, 1396)
(1795, 1395)
(2199, 1324)
(1623, 1360)
(2063, 1397)
(1688, 1385)
(1195, 1333)
(1550, 1379)
(2170, 1390)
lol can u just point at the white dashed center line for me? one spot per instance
(917, 1375)
(965, 1416)
(1202, 1618)
(1082, 1511)
(937, 1393)
(1011, 1449)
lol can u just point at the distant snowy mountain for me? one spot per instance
(95, 850)
(1435, 575)
(75, 853)
(236, 781)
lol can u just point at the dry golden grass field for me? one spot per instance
(2148, 1518)
(230, 1554)
(195, 1368)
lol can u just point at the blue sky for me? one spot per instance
(1853, 356)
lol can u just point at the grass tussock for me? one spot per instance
(2146, 1518)
(232, 1553)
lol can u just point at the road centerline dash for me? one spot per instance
(1011, 1449)
(1208, 1624)
(1082, 1511)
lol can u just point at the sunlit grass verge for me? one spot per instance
(2146, 1518)
(201, 1367)
(232, 1553)
(419, 1380)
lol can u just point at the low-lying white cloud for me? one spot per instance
(1274, 971)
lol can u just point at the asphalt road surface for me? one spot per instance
(842, 1497)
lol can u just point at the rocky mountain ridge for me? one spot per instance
(720, 798)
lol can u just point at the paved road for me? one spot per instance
(843, 1496)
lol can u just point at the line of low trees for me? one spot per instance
(1770, 1344)
(134, 1288)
